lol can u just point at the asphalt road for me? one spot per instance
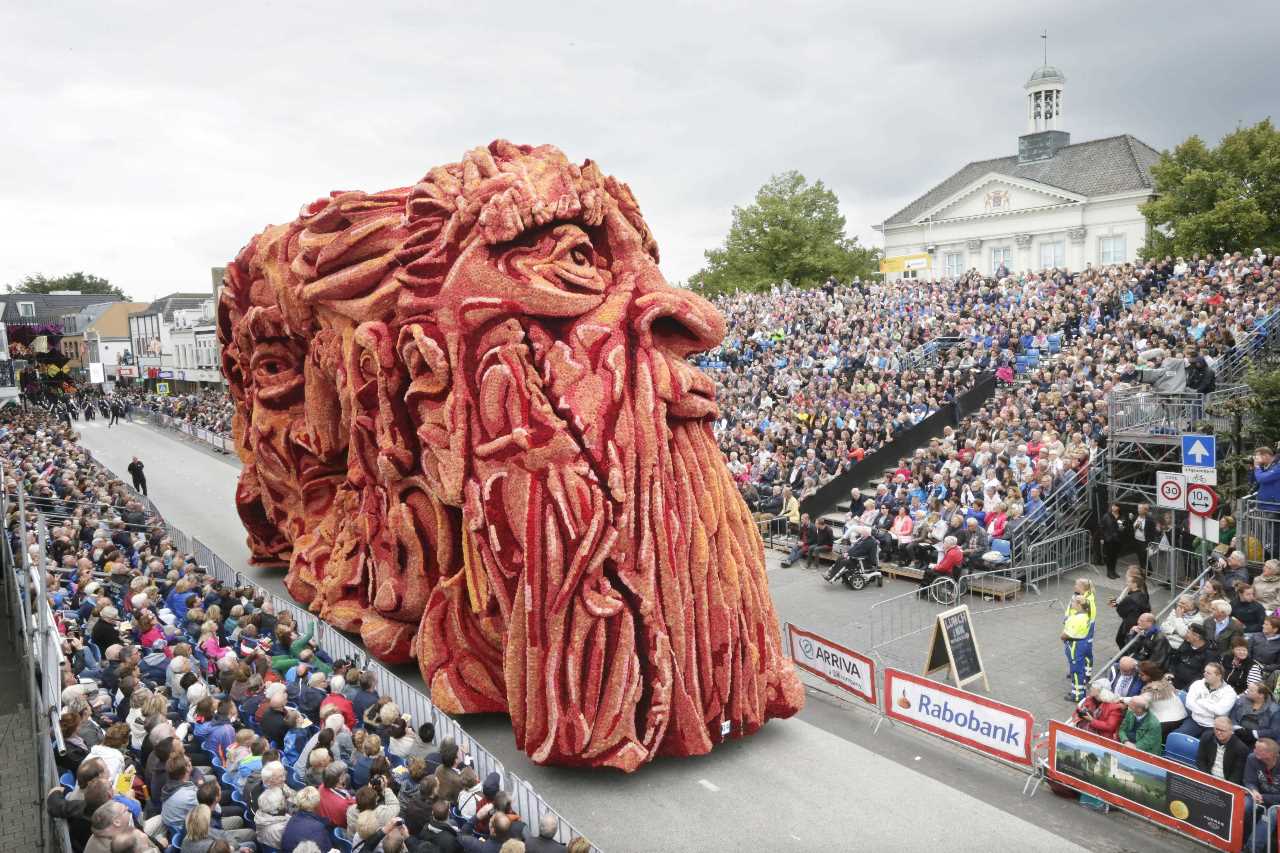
(822, 780)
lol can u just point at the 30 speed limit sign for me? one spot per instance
(1201, 500)
(1171, 490)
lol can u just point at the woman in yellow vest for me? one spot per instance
(1078, 646)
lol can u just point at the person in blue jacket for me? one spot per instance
(1266, 473)
(306, 825)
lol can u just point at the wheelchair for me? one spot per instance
(855, 574)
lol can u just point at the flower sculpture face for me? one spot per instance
(469, 427)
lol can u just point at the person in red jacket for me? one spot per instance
(336, 702)
(948, 564)
(335, 796)
(1101, 712)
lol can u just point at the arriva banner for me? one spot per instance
(975, 721)
(833, 663)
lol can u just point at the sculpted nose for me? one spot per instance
(675, 321)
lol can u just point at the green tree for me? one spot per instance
(83, 282)
(1220, 199)
(794, 232)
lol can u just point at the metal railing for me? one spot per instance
(1063, 511)
(1240, 358)
(38, 644)
(1143, 410)
(217, 440)
(929, 352)
(1169, 566)
(772, 530)
(1065, 551)
(1214, 402)
(990, 591)
(1257, 529)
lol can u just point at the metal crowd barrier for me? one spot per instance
(218, 441)
(1066, 551)
(1169, 566)
(1257, 529)
(38, 644)
(1236, 363)
(1063, 510)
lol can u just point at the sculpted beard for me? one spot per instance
(593, 545)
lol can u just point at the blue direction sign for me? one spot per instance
(1199, 451)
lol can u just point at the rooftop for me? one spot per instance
(1046, 74)
(166, 305)
(1100, 167)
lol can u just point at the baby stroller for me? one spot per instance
(857, 572)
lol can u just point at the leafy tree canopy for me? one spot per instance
(793, 232)
(83, 282)
(1219, 199)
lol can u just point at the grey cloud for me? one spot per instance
(153, 139)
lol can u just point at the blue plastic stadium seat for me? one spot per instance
(68, 780)
(1002, 545)
(1181, 748)
(340, 841)
(1033, 352)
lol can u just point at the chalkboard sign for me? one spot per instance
(955, 647)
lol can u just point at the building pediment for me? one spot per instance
(995, 194)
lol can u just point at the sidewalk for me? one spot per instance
(20, 801)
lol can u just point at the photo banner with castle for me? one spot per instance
(1173, 795)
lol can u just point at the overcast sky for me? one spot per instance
(146, 142)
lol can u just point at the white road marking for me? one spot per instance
(710, 787)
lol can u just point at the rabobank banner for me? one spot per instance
(851, 672)
(967, 718)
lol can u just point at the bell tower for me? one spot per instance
(1044, 134)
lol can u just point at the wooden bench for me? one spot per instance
(906, 573)
(1001, 588)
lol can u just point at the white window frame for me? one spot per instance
(999, 255)
(1057, 254)
(1112, 249)
(950, 269)
(26, 309)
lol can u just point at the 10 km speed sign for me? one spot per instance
(1171, 490)
(1201, 500)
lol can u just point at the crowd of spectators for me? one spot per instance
(211, 409)
(195, 718)
(1202, 686)
(1059, 344)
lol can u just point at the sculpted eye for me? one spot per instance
(271, 368)
(562, 257)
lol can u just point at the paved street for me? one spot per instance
(819, 780)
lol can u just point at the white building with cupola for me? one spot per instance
(1053, 204)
